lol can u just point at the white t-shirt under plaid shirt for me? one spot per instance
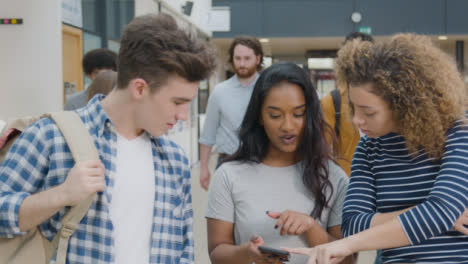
(133, 179)
(40, 160)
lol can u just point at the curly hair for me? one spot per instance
(420, 83)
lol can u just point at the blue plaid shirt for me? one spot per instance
(40, 159)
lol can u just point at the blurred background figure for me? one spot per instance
(104, 82)
(227, 105)
(94, 61)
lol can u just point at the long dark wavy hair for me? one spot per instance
(312, 151)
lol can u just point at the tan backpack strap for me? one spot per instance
(76, 135)
(82, 147)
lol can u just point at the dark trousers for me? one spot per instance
(378, 258)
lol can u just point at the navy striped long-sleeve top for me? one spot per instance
(385, 178)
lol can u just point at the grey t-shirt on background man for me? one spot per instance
(76, 100)
(241, 193)
(224, 114)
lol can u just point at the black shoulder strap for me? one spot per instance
(337, 103)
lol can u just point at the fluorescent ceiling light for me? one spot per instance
(320, 63)
(264, 40)
(442, 37)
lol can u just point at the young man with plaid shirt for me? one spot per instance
(142, 212)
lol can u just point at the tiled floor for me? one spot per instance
(199, 198)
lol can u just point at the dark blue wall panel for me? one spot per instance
(457, 16)
(387, 17)
(314, 18)
(307, 18)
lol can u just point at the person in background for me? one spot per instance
(94, 61)
(280, 188)
(104, 82)
(227, 104)
(408, 191)
(336, 113)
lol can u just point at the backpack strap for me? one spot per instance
(337, 103)
(82, 147)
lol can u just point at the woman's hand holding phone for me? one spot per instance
(292, 222)
(256, 256)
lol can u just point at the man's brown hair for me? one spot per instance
(153, 47)
(249, 42)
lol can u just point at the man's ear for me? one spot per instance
(138, 87)
(258, 59)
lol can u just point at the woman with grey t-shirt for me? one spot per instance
(280, 189)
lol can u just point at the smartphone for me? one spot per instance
(282, 254)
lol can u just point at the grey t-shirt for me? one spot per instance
(241, 193)
(224, 114)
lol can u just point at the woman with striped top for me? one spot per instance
(409, 175)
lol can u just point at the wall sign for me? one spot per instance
(219, 19)
(71, 13)
(11, 21)
(365, 30)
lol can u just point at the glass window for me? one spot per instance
(89, 12)
(113, 45)
(121, 13)
(107, 18)
(91, 41)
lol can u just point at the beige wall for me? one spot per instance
(200, 11)
(145, 7)
(31, 58)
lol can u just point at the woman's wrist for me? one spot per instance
(316, 235)
(353, 243)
